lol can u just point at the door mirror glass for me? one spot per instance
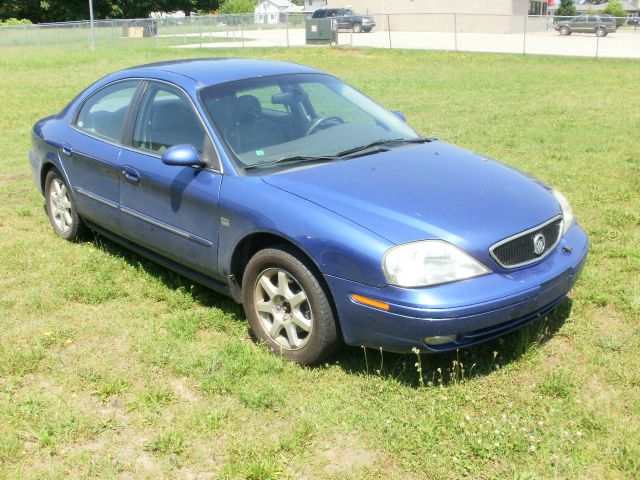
(182, 155)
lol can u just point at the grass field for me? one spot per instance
(111, 366)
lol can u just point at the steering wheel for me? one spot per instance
(319, 121)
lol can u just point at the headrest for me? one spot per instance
(169, 116)
(246, 109)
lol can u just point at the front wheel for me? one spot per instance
(61, 208)
(601, 32)
(356, 27)
(287, 306)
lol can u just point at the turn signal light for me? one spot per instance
(369, 302)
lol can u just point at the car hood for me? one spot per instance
(426, 191)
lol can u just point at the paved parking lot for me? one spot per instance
(622, 44)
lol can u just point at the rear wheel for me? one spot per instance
(601, 32)
(287, 306)
(565, 31)
(356, 27)
(61, 208)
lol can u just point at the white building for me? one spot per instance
(274, 11)
(477, 16)
(313, 5)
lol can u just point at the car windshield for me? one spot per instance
(298, 117)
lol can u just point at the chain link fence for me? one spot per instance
(429, 31)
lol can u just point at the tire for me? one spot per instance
(304, 332)
(601, 32)
(61, 208)
(564, 30)
(356, 27)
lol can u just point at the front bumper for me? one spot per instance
(475, 310)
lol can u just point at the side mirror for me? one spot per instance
(182, 156)
(400, 115)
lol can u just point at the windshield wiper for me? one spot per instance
(293, 159)
(381, 143)
(339, 155)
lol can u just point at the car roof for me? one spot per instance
(213, 71)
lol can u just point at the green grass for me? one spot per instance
(111, 366)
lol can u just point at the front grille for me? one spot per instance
(520, 249)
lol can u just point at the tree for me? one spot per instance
(566, 9)
(614, 8)
(234, 7)
(66, 10)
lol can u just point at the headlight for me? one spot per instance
(567, 211)
(429, 262)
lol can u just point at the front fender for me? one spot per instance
(338, 246)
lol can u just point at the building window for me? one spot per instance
(537, 8)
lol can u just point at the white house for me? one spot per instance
(313, 5)
(273, 11)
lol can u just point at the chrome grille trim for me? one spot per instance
(527, 232)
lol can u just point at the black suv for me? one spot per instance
(598, 24)
(347, 19)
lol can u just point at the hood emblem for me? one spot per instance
(539, 243)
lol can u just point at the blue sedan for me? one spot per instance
(324, 214)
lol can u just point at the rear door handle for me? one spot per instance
(67, 150)
(130, 174)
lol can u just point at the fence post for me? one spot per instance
(242, 29)
(597, 44)
(199, 31)
(39, 39)
(455, 30)
(286, 20)
(524, 37)
(388, 30)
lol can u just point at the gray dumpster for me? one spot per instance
(321, 31)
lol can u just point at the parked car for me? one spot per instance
(347, 19)
(601, 25)
(324, 214)
(633, 21)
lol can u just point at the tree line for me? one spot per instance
(38, 11)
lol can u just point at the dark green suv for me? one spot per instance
(601, 25)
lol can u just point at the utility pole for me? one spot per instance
(93, 32)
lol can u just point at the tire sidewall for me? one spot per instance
(356, 27)
(323, 335)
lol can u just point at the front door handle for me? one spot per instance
(130, 174)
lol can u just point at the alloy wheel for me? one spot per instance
(283, 308)
(60, 205)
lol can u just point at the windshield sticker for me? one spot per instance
(259, 153)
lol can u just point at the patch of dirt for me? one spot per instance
(345, 455)
(183, 391)
(115, 409)
(15, 176)
(189, 474)
(600, 395)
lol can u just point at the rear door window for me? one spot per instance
(103, 114)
